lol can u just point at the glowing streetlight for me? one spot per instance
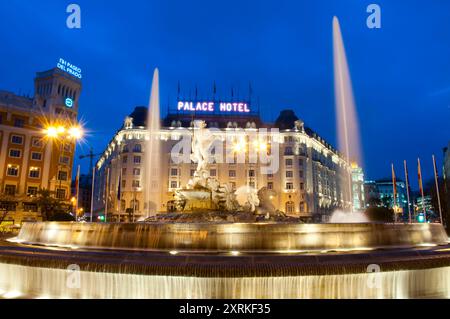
(51, 132)
(75, 132)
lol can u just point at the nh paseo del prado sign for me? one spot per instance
(213, 107)
(69, 68)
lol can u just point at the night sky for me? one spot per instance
(400, 73)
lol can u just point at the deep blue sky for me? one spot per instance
(400, 73)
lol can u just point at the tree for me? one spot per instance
(49, 206)
(431, 186)
(3, 215)
(374, 201)
(380, 214)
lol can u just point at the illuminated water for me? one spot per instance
(58, 283)
(207, 237)
(346, 119)
(151, 184)
(348, 217)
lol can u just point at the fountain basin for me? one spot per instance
(217, 237)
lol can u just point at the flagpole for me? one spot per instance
(107, 194)
(92, 192)
(77, 190)
(394, 189)
(407, 190)
(437, 189)
(421, 189)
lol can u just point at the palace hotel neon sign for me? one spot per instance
(228, 107)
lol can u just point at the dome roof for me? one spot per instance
(286, 120)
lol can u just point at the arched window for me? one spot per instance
(289, 207)
(137, 148)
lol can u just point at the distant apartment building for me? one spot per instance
(381, 193)
(36, 148)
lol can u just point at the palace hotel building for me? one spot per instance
(37, 144)
(308, 184)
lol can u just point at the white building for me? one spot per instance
(306, 185)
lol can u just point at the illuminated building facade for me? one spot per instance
(358, 187)
(36, 149)
(306, 183)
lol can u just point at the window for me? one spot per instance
(19, 123)
(125, 149)
(251, 173)
(289, 186)
(136, 171)
(12, 170)
(302, 186)
(122, 205)
(137, 148)
(134, 204)
(173, 172)
(62, 176)
(124, 183)
(137, 160)
(10, 190)
(14, 153)
(289, 207)
(232, 173)
(300, 162)
(173, 184)
(32, 191)
(124, 171)
(67, 147)
(300, 174)
(233, 185)
(302, 207)
(288, 150)
(36, 156)
(16, 139)
(270, 185)
(8, 206)
(251, 184)
(61, 193)
(35, 172)
(30, 207)
(213, 172)
(136, 183)
(289, 174)
(124, 159)
(192, 172)
(36, 142)
(64, 160)
(288, 161)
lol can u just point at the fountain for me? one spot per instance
(346, 119)
(152, 189)
(232, 244)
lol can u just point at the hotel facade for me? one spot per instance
(30, 160)
(306, 183)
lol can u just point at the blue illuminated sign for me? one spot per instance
(69, 102)
(69, 68)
